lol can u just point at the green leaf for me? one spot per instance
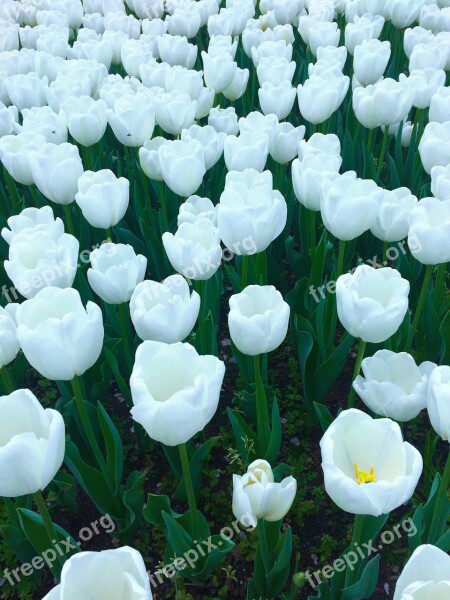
(113, 444)
(365, 587)
(329, 371)
(196, 465)
(155, 507)
(275, 436)
(324, 416)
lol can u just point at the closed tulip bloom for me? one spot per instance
(426, 55)
(9, 344)
(404, 12)
(43, 121)
(440, 182)
(33, 442)
(429, 231)
(383, 103)
(176, 50)
(179, 79)
(175, 111)
(349, 206)
(310, 173)
(392, 222)
(285, 144)
(319, 143)
(258, 319)
(438, 404)
(275, 70)
(372, 303)
(224, 119)
(8, 119)
(26, 91)
(164, 312)
(149, 159)
(116, 21)
(182, 165)
(59, 337)
(185, 22)
(320, 97)
(364, 28)
(56, 169)
(237, 87)
(115, 272)
(277, 99)
(34, 219)
(86, 119)
(120, 574)
(424, 83)
(218, 71)
(211, 140)
(196, 208)
(246, 151)
(175, 391)
(257, 496)
(255, 123)
(425, 575)
(37, 260)
(370, 61)
(102, 197)
(330, 54)
(218, 44)
(194, 250)
(132, 120)
(393, 385)
(14, 151)
(434, 146)
(440, 106)
(327, 34)
(250, 213)
(368, 468)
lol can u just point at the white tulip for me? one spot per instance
(440, 182)
(257, 496)
(211, 140)
(102, 197)
(285, 144)
(429, 231)
(392, 222)
(164, 312)
(182, 165)
(438, 404)
(133, 119)
(368, 468)
(434, 146)
(43, 121)
(175, 391)
(372, 303)
(9, 344)
(34, 219)
(86, 119)
(196, 208)
(393, 385)
(14, 153)
(370, 61)
(425, 575)
(175, 111)
(246, 151)
(224, 119)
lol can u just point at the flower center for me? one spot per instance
(363, 477)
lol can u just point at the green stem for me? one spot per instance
(244, 273)
(7, 382)
(262, 411)
(351, 576)
(68, 217)
(340, 262)
(370, 140)
(124, 322)
(382, 153)
(263, 546)
(47, 520)
(440, 283)
(87, 426)
(312, 217)
(359, 358)
(189, 487)
(419, 308)
(108, 234)
(34, 192)
(440, 515)
(385, 251)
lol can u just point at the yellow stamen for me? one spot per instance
(363, 477)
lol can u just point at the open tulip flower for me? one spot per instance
(368, 468)
(425, 575)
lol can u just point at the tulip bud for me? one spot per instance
(102, 197)
(196, 208)
(368, 468)
(429, 231)
(372, 303)
(434, 146)
(173, 409)
(257, 496)
(33, 219)
(133, 119)
(437, 401)
(33, 442)
(9, 344)
(392, 222)
(370, 61)
(440, 182)
(182, 165)
(59, 337)
(224, 119)
(86, 119)
(14, 153)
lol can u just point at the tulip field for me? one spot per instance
(224, 299)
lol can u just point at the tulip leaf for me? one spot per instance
(36, 533)
(133, 499)
(324, 416)
(281, 561)
(367, 583)
(444, 541)
(245, 437)
(329, 371)
(196, 465)
(275, 436)
(113, 444)
(125, 390)
(156, 505)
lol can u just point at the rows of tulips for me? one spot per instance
(178, 172)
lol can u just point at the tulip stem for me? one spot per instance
(370, 140)
(359, 358)
(189, 487)
(351, 575)
(312, 217)
(382, 153)
(441, 509)
(262, 412)
(47, 520)
(244, 276)
(68, 217)
(440, 283)
(419, 308)
(9, 386)
(108, 235)
(87, 426)
(340, 261)
(123, 317)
